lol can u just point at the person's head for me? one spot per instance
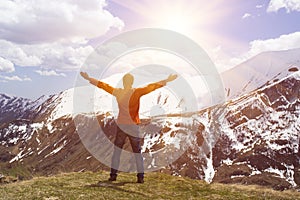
(128, 80)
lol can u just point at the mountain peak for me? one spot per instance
(258, 70)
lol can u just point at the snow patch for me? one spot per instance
(227, 161)
(55, 151)
(17, 157)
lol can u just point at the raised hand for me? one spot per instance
(85, 75)
(172, 77)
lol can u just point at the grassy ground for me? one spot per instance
(88, 185)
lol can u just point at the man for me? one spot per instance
(128, 100)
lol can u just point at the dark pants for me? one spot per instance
(136, 148)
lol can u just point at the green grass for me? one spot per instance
(88, 185)
(16, 171)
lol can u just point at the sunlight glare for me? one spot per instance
(195, 19)
(176, 22)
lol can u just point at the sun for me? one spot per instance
(201, 21)
(193, 18)
(175, 21)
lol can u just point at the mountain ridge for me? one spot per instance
(256, 71)
(252, 139)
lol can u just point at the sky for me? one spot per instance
(43, 44)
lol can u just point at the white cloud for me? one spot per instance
(246, 15)
(18, 55)
(56, 55)
(6, 65)
(289, 5)
(259, 6)
(49, 73)
(283, 42)
(14, 78)
(52, 34)
(37, 21)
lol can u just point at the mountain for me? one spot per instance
(251, 139)
(258, 70)
(39, 135)
(12, 107)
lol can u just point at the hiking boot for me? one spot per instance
(140, 180)
(112, 178)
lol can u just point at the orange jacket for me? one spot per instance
(129, 100)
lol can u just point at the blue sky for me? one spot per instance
(43, 43)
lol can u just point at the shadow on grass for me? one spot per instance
(116, 186)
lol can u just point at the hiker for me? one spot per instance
(128, 100)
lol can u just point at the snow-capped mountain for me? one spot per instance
(12, 107)
(260, 133)
(258, 70)
(251, 139)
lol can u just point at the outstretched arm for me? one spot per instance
(172, 77)
(98, 83)
(90, 79)
(153, 86)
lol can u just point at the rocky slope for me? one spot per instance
(253, 139)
